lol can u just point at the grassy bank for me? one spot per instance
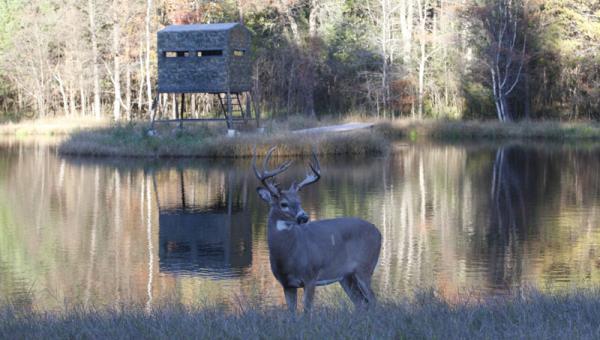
(535, 316)
(101, 138)
(494, 130)
(206, 141)
(209, 141)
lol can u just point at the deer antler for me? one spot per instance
(311, 178)
(266, 175)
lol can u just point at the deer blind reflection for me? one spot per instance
(202, 234)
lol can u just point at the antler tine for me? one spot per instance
(316, 167)
(316, 172)
(256, 172)
(268, 174)
(267, 157)
(281, 168)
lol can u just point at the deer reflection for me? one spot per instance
(204, 226)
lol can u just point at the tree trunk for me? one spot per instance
(506, 65)
(527, 99)
(148, 83)
(312, 59)
(406, 26)
(63, 94)
(421, 83)
(508, 117)
(240, 11)
(128, 62)
(95, 67)
(116, 60)
(141, 84)
(82, 97)
(127, 80)
(72, 101)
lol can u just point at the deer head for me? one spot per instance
(285, 204)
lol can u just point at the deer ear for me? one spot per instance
(264, 194)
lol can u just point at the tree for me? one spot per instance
(504, 50)
(97, 109)
(148, 22)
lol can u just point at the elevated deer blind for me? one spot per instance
(206, 58)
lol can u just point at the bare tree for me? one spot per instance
(116, 36)
(506, 51)
(386, 16)
(95, 57)
(147, 61)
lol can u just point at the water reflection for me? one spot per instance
(513, 197)
(454, 217)
(203, 236)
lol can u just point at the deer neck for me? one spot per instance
(281, 234)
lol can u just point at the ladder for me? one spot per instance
(236, 107)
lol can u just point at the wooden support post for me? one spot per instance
(181, 182)
(248, 106)
(229, 112)
(256, 109)
(181, 110)
(153, 109)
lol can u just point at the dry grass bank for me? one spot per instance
(491, 130)
(52, 126)
(209, 140)
(533, 316)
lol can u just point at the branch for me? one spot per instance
(520, 68)
(512, 48)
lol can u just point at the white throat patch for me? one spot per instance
(283, 225)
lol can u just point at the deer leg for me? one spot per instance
(351, 288)
(290, 298)
(364, 285)
(309, 294)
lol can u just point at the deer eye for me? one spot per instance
(284, 205)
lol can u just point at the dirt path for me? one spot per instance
(336, 128)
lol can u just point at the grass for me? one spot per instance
(490, 130)
(51, 126)
(531, 316)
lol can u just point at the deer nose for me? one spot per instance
(301, 217)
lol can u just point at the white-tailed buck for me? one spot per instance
(308, 254)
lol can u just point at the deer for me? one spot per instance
(306, 254)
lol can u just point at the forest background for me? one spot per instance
(462, 59)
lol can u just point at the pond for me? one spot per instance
(481, 218)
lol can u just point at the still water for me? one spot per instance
(457, 218)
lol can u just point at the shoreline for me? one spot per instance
(105, 139)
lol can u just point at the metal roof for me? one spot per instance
(200, 27)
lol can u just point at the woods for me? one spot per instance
(505, 59)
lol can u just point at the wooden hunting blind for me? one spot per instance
(206, 58)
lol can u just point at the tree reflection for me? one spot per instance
(524, 183)
(508, 215)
